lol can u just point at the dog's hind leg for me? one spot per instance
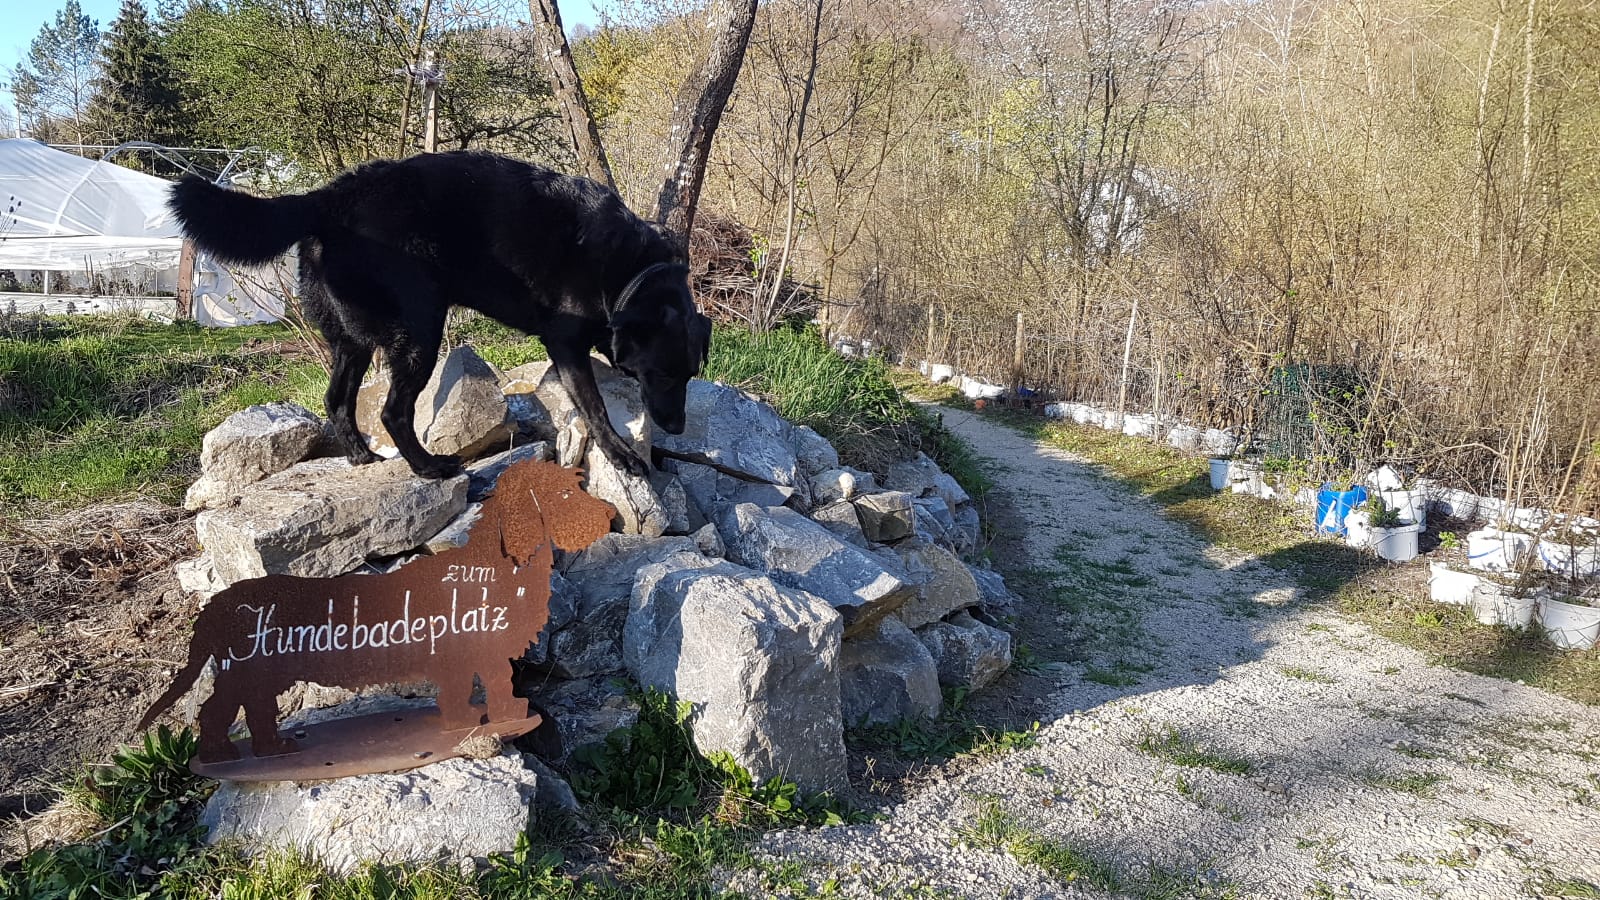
(350, 362)
(411, 362)
(351, 357)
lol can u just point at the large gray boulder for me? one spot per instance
(966, 652)
(525, 412)
(759, 661)
(711, 491)
(581, 712)
(813, 452)
(888, 675)
(737, 431)
(461, 412)
(248, 446)
(325, 517)
(997, 598)
(459, 811)
(601, 576)
(798, 552)
(942, 583)
(841, 519)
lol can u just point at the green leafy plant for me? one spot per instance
(1381, 516)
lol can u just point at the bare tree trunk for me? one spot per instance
(569, 91)
(698, 110)
(795, 159)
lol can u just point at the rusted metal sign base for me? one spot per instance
(362, 745)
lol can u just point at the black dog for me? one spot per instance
(386, 248)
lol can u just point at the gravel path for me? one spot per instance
(1359, 770)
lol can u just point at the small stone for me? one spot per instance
(886, 516)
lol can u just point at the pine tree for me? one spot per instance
(52, 86)
(135, 97)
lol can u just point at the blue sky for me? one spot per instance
(20, 20)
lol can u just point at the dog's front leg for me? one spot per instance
(577, 376)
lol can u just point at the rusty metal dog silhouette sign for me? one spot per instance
(449, 619)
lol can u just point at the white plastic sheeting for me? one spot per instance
(73, 214)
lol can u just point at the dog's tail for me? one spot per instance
(237, 228)
(181, 683)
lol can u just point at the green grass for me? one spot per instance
(95, 408)
(995, 828)
(1171, 745)
(951, 735)
(1324, 570)
(853, 402)
(1305, 674)
(1419, 784)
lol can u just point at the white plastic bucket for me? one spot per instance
(1446, 585)
(1219, 473)
(1411, 505)
(1567, 559)
(1492, 604)
(1396, 544)
(1570, 626)
(1486, 550)
(1358, 529)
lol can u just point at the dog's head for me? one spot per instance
(661, 340)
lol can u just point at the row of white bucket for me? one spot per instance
(1179, 435)
(971, 388)
(1566, 624)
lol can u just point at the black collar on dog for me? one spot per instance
(638, 281)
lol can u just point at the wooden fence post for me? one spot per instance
(1016, 357)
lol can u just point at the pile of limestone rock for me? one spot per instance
(785, 595)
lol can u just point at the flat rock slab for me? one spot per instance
(459, 810)
(798, 552)
(325, 517)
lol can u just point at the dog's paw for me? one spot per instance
(362, 456)
(439, 467)
(628, 461)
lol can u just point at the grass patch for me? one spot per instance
(1419, 784)
(996, 829)
(853, 402)
(1171, 745)
(1324, 570)
(95, 408)
(951, 735)
(1305, 674)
